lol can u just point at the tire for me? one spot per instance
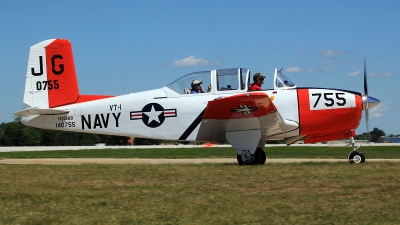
(257, 157)
(356, 157)
(263, 157)
(239, 159)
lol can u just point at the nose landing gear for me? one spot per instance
(355, 156)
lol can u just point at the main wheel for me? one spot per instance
(356, 157)
(249, 159)
(239, 159)
(263, 157)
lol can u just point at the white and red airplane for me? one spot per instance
(227, 112)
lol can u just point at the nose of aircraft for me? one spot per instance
(369, 102)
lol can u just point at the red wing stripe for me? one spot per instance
(240, 106)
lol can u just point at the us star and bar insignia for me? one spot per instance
(152, 115)
(244, 109)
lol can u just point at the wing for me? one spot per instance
(243, 120)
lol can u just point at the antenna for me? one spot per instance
(281, 69)
(122, 83)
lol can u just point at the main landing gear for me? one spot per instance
(247, 158)
(355, 156)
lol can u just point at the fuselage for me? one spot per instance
(164, 114)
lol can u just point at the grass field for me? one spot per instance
(299, 193)
(295, 193)
(388, 152)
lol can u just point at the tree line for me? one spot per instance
(374, 135)
(17, 134)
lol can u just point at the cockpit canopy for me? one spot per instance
(225, 80)
(184, 84)
(233, 79)
(282, 82)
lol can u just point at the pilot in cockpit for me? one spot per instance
(258, 79)
(196, 87)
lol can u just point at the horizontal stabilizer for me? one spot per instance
(34, 111)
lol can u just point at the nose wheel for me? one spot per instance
(355, 156)
(247, 158)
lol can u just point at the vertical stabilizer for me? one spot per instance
(50, 78)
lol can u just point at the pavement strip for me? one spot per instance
(71, 161)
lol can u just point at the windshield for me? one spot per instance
(281, 81)
(183, 85)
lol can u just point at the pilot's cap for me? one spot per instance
(195, 82)
(257, 75)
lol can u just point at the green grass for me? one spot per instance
(298, 193)
(388, 152)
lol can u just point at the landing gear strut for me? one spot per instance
(247, 158)
(355, 156)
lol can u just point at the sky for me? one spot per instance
(121, 47)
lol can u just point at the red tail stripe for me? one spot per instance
(62, 85)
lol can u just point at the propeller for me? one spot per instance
(365, 100)
(368, 101)
(365, 79)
